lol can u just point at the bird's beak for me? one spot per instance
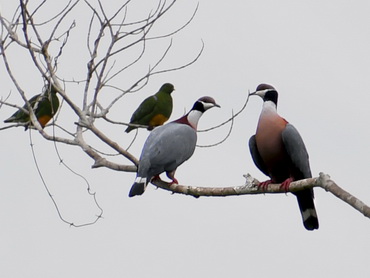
(259, 93)
(217, 105)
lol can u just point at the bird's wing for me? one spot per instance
(47, 105)
(20, 115)
(36, 100)
(164, 104)
(168, 147)
(257, 159)
(296, 150)
(54, 103)
(144, 109)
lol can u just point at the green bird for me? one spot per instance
(154, 110)
(44, 105)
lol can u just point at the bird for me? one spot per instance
(278, 151)
(168, 146)
(154, 110)
(44, 105)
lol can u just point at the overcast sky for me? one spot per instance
(315, 53)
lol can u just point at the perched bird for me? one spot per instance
(168, 146)
(44, 105)
(154, 110)
(278, 151)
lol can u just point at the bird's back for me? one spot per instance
(166, 148)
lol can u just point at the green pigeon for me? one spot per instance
(44, 105)
(154, 110)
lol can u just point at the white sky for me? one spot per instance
(316, 54)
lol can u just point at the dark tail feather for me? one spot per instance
(137, 188)
(13, 119)
(129, 128)
(307, 208)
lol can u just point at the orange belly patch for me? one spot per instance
(157, 120)
(43, 120)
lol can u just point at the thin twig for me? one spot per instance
(230, 119)
(178, 29)
(56, 206)
(223, 140)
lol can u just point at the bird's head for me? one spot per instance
(266, 92)
(167, 88)
(205, 103)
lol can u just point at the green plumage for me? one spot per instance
(154, 110)
(44, 105)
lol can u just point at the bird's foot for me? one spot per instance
(263, 185)
(285, 184)
(174, 181)
(171, 175)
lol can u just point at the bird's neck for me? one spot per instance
(269, 108)
(191, 118)
(270, 116)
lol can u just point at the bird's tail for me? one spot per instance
(307, 208)
(12, 119)
(129, 128)
(138, 187)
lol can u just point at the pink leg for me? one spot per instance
(171, 175)
(264, 184)
(156, 177)
(285, 184)
(174, 181)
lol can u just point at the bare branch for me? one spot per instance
(251, 187)
(62, 16)
(110, 143)
(332, 187)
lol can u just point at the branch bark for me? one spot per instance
(251, 187)
(109, 37)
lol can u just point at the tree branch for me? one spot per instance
(250, 187)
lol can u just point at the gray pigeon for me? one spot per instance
(279, 152)
(168, 146)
